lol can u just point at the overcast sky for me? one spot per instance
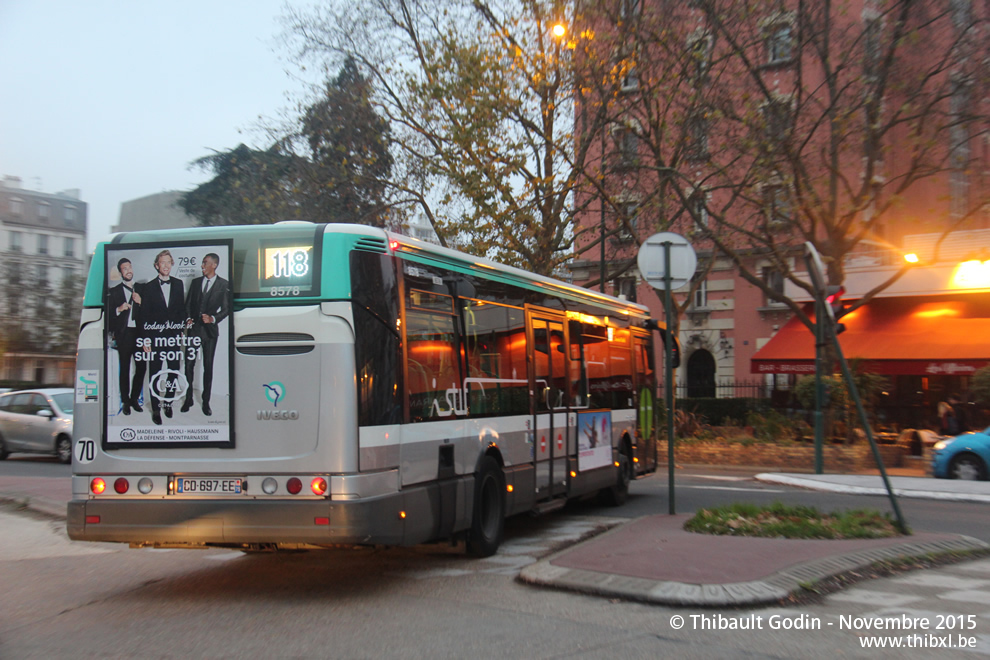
(116, 98)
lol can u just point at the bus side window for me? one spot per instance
(433, 366)
(377, 348)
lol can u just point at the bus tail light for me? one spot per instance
(98, 486)
(121, 485)
(294, 486)
(92, 520)
(319, 486)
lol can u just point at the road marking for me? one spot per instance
(744, 490)
(718, 478)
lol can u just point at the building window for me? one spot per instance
(779, 39)
(700, 50)
(627, 146)
(779, 209)
(959, 147)
(699, 210)
(44, 210)
(701, 295)
(42, 274)
(630, 9)
(16, 241)
(16, 206)
(42, 244)
(70, 246)
(625, 287)
(774, 281)
(628, 222)
(697, 136)
(778, 120)
(630, 81)
(70, 214)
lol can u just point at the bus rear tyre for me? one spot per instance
(488, 522)
(618, 494)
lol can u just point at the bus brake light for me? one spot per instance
(319, 486)
(293, 485)
(98, 486)
(121, 486)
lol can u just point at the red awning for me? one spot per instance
(894, 336)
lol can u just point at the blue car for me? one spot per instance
(965, 456)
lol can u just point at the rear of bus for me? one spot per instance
(264, 453)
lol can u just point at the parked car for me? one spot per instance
(965, 456)
(37, 422)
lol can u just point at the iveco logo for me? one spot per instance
(278, 414)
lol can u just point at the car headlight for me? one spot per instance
(941, 444)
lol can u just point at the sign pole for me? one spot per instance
(669, 380)
(819, 415)
(667, 260)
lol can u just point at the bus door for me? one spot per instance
(548, 353)
(645, 390)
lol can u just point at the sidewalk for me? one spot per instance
(653, 559)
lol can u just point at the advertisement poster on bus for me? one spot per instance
(594, 439)
(169, 341)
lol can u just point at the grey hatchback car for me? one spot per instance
(37, 422)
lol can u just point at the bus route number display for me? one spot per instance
(287, 270)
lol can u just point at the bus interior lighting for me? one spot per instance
(294, 486)
(98, 485)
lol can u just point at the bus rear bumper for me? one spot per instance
(405, 518)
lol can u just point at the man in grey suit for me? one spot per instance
(207, 304)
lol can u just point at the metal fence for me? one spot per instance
(755, 389)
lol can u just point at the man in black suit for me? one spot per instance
(124, 319)
(163, 314)
(207, 305)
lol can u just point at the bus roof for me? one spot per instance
(340, 239)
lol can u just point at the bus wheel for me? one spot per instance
(618, 494)
(488, 522)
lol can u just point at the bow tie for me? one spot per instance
(163, 282)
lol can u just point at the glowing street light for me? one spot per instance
(559, 30)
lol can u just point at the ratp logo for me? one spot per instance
(274, 392)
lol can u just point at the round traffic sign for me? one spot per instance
(653, 265)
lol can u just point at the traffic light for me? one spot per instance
(834, 306)
(675, 349)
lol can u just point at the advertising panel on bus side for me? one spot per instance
(594, 439)
(169, 338)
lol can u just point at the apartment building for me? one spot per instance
(44, 259)
(752, 127)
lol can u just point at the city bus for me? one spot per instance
(301, 385)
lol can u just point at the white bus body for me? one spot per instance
(394, 393)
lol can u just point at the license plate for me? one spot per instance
(207, 486)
